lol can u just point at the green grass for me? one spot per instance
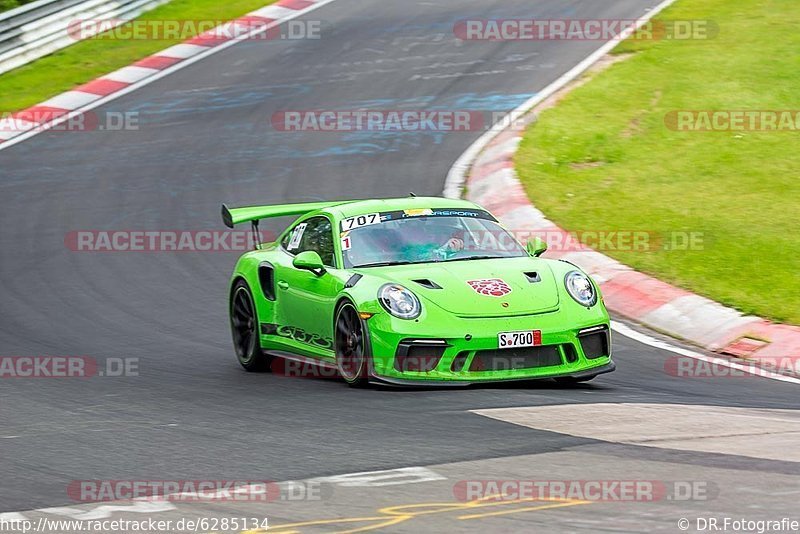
(86, 60)
(741, 189)
(5, 5)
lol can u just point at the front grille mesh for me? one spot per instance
(511, 359)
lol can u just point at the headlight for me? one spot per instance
(580, 288)
(399, 301)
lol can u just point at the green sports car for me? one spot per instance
(412, 291)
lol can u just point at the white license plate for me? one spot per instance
(525, 338)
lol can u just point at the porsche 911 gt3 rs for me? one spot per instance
(412, 291)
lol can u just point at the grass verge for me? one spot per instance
(7, 5)
(89, 59)
(605, 159)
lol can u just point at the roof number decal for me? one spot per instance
(359, 221)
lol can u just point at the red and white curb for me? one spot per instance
(41, 117)
(486, 171)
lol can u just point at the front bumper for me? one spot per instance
(410, 382)
(463, 351)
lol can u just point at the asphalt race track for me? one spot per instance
(192, 413)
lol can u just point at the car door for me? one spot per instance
(307, 299)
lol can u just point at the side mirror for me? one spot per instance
(309, 261)
(536, 247)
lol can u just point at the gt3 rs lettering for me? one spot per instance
(297, 334)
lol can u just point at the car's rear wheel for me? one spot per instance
(351, 345)
(244, 327)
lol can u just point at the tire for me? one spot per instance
(351, 345)
(244, 329)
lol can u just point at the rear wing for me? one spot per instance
(233, 216)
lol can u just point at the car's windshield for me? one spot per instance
(422, 236)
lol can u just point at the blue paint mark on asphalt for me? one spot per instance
(248, 144)
(171, 105)
(214, 99)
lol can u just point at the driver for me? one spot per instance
(431, 240)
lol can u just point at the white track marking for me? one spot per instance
(763, 433)
(389, 477)
(10, 126)
(11, 517)
(663, 345)
(166, 72)
(273, 12)
(182, 51)
(130, 74)
(454, 184)
(139, 506)
(70, 100)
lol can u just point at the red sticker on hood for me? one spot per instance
(491, 287)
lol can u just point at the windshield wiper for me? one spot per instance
(479, 258)
(386, 263)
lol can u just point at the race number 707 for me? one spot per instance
(361, 220)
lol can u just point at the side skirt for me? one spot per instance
(306, 360)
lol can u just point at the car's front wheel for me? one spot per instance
(244, 327)
(350, 343)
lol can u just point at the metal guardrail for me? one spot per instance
(40, 28)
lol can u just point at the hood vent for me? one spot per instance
(533, 277)
(427, 284)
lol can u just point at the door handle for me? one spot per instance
(283, 285)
